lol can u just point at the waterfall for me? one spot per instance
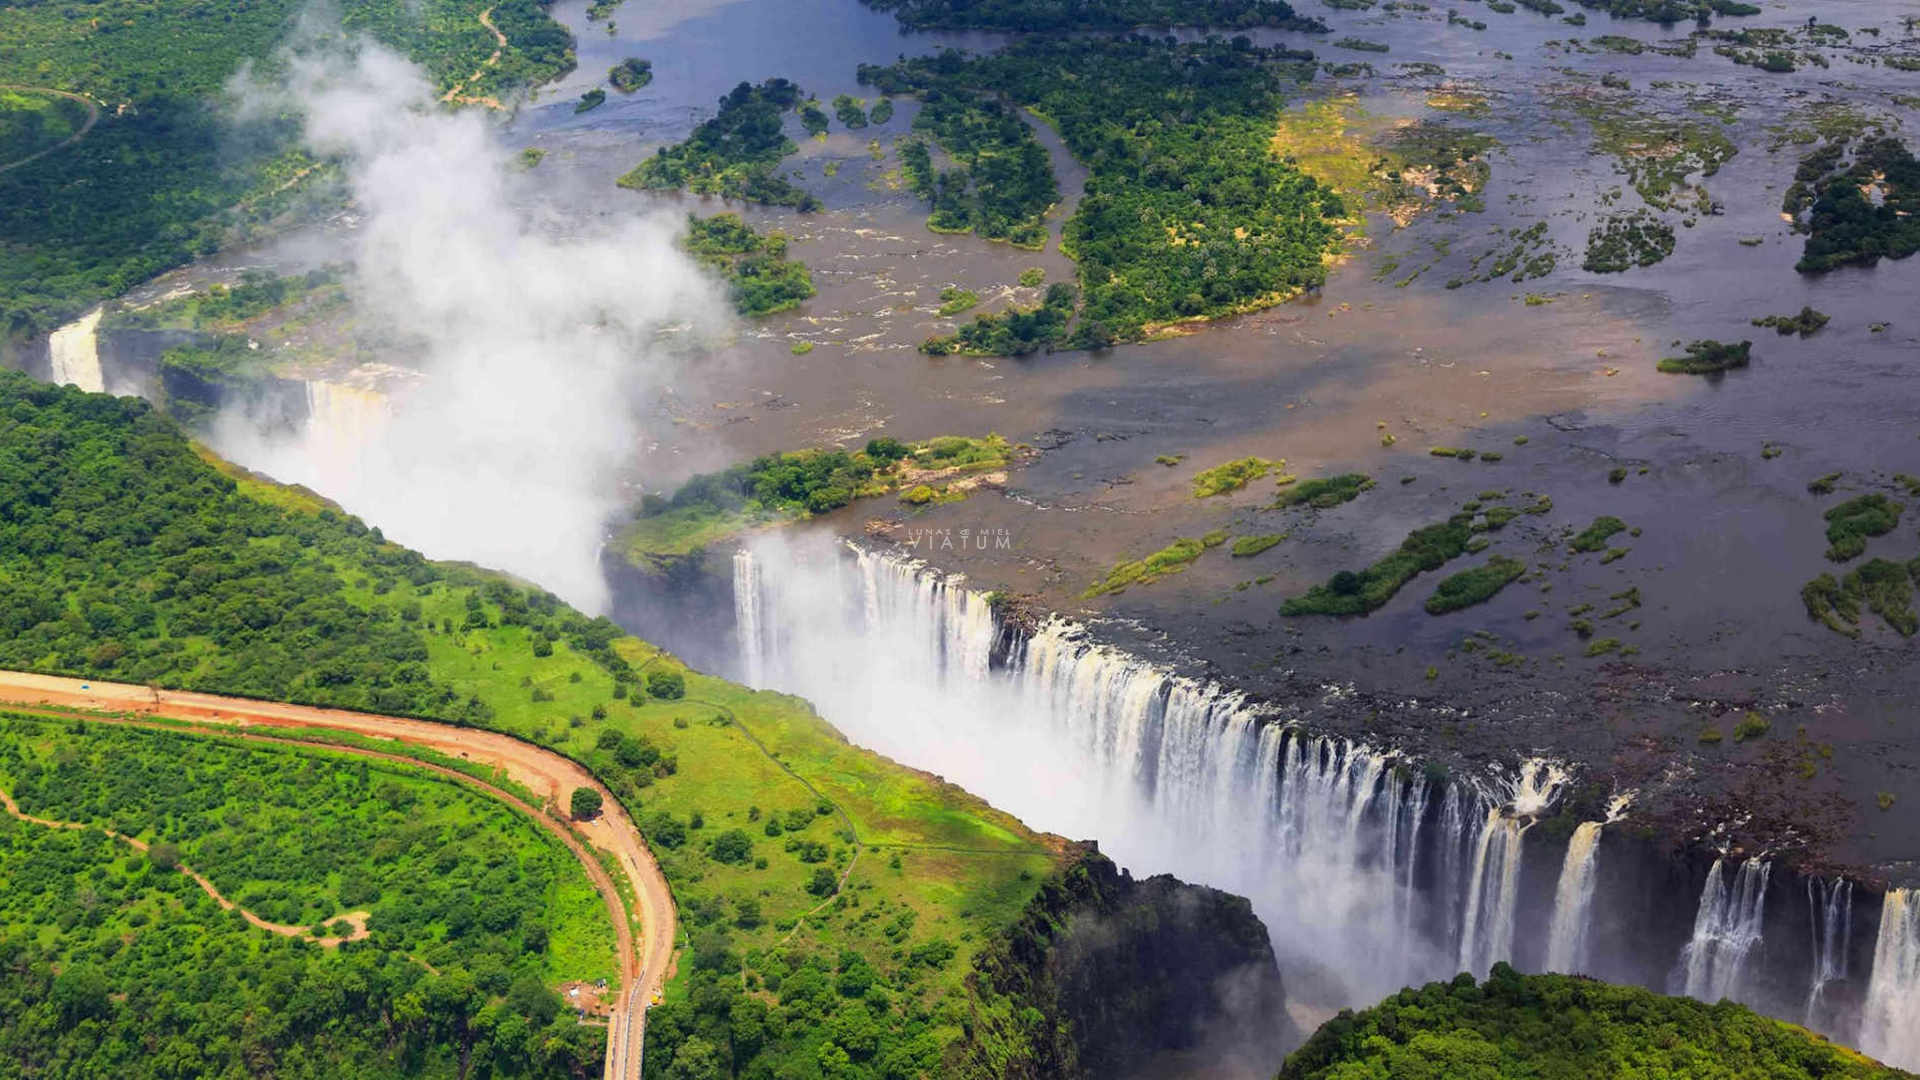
(1493, 883)
(746, 617)
(1890, 1028)
(1573, 897)
(1726, 927)
(1170, 774)
(74, 353)
(1369, 873)
(1573, 901)
(341, 418)
(1830, 911)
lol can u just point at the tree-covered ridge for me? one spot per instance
(1055, 15)
(734, 154)
(120, 966)
(1550, 1027)
(161, 179)
(835, 902)
(761, 279)
(1187, 212)
(123, 555)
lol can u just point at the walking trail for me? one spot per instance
(93, 117)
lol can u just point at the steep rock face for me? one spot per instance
(1103, 973)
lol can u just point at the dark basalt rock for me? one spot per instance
(1103, 974)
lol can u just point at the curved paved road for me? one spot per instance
(93, 117)
(547, 774)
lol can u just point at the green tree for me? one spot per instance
(586, 803)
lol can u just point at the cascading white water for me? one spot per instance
(73, 353)
(1726, 927)
(1830, 911)
(1573, 901)
(1368, 875)
(746, 617)
(342, 419)
(1493, 883)
(1890, 1025)
(1170, 774)
(1573, 897)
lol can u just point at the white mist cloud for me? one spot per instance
(536, 338)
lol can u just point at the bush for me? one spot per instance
(585, 804)
(1470, 587)
(823, 882)
(667, 685)
(733, 846)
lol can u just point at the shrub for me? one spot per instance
(1852, 522)
(667, 685)
(1707, 357)
(585, 803)
(1470, 587)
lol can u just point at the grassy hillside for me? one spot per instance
(125, 554)
(161, 179)
(121, 966)
(1547, 1027)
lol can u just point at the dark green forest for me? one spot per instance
(1843, 226)
(1560, 1027)
(736, 153)
(1188, 213)
(760, 278)
(118, 965)
(1000, 184)
(164, 177)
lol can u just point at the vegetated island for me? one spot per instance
(1708, 357)
(837, 905)
(734, 154)
(761, 279)
(1154, 121)
(797, 484)
(630, 74)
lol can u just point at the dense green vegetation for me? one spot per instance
(1474, 586)
(1853, 522)
(1885, 587)
(1000, 184)
(32, 122)
(734, 154)
(1356, 593)
(630, 74)
(761, 278)
(1843, 225)
(1246, 547)
(1231, 476)
(795, 484)
(592, 99)
(1093, 14)
(1623, 241)
(122, 966)
(834, 903)
(954, 300)
(1595, 536)
(1014, 332)
(301, 837)
(1187, 211)
(1171, 559)
(1563, 1027)
(162, 179)
(1326, 492)
(1708, 357)
(1805, 324)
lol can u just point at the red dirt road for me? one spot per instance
(549, 775)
